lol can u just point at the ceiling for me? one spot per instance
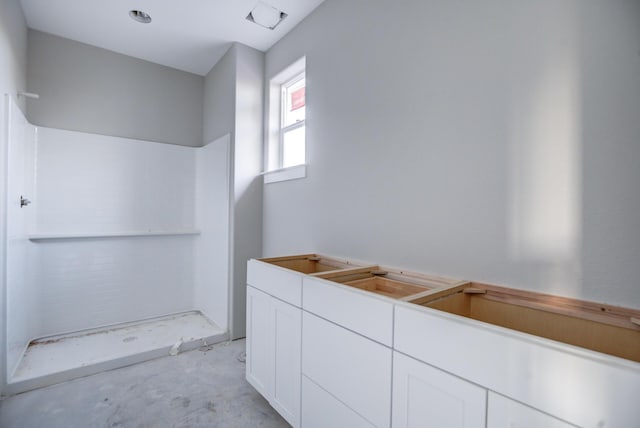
(190, 35)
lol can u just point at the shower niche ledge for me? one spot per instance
(124, 234)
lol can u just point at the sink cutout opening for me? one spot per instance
(387, 287)
(309, 263)
(389, 283)
(610, 333)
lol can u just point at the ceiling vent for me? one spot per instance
(266, 16)
(140, 16)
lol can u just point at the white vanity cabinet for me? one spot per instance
(424, 396)
(260, 362)
(572, 384)
(355, 371)
(273, 352)
(331, 345)
(505, 413)
(274, 324)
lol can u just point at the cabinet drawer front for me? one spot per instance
(368, 315)
(279, 282)
(578, 386)
(321, 410)
(355, 370)
(505, 413)
(425, 396)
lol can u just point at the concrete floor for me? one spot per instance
(201, 388)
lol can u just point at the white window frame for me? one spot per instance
(274, 126)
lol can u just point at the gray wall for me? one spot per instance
(219, 98)
(233, 103)
(13, 70)
(485, 140)
(89, 89)
(247, 182)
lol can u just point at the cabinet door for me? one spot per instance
(352, 368)
(426, 397)
(321, 409)
(260, 342)
(505, 413)
(288, 341)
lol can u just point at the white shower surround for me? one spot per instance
(23, 319)
(174, 199)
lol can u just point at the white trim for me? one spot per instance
(134, 233)
(292, 127)
(285, 174)
(5, 120)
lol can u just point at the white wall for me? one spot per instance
(22, 295)
(213, 193)
(88, 183)
(89, 89)
(484, 140)
(13, 65)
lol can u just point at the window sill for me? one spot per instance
(285, 174)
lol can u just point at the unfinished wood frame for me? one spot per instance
(388, 282)
(603, 328)
(310, 263)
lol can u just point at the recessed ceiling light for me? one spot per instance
(140, 16)
(266, 16)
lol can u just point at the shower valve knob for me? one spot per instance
(24, 201)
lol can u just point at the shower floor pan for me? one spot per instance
(56, 359)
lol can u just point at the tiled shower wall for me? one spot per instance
(87, 185)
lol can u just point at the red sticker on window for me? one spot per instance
(297, 99)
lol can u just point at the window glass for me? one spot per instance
(294, 108)
(292, 133)
(293, 147)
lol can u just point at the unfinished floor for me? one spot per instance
(201, 388)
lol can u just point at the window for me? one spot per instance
(285, 148)
(292, 129)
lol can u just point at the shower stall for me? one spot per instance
(118, 250)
